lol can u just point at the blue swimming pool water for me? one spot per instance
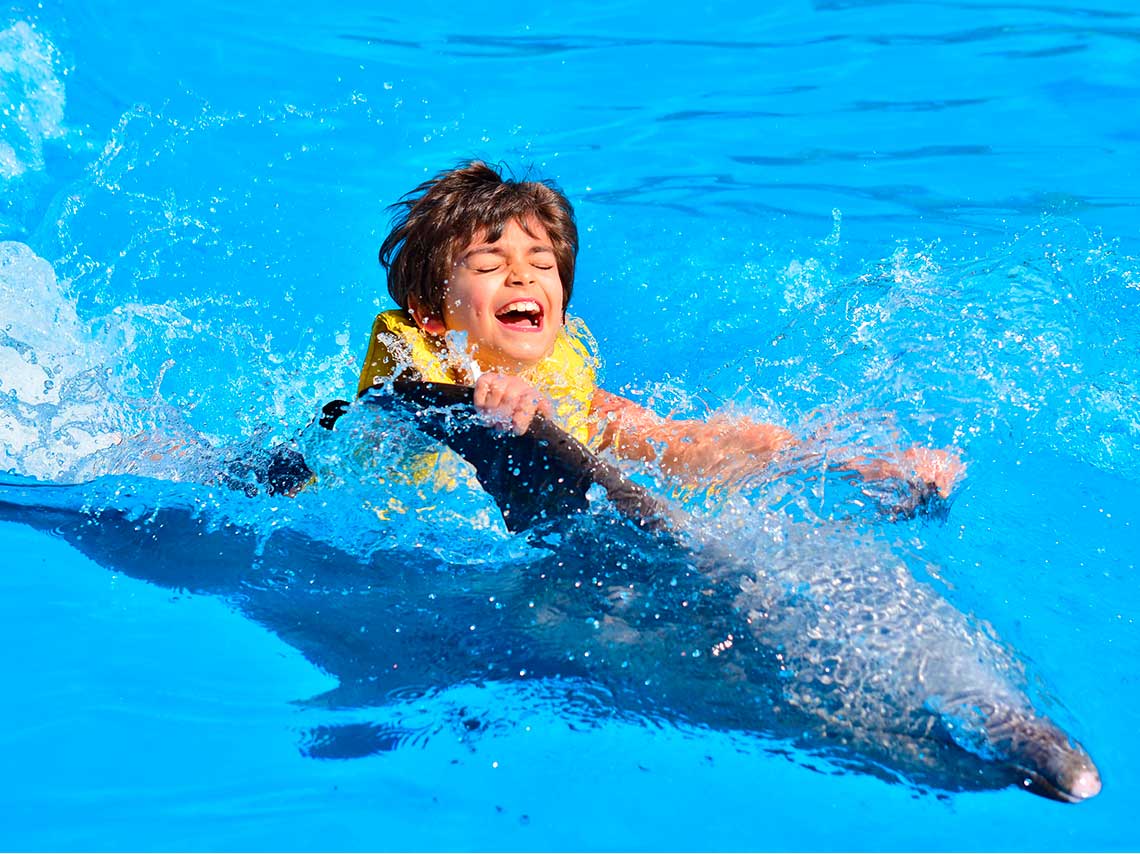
(815, 213)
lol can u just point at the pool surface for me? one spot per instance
(896, 222)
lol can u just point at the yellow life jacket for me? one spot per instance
(568, 375)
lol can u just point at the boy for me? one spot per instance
(483, 269)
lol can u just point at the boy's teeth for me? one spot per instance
(521, 312)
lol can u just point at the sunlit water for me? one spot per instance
(901, 222)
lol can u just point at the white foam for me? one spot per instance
(54, 406)
(32, 98)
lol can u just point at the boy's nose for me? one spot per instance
(517, 273)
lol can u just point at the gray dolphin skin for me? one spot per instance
(866, 656)
(883, 663)
(816, 639)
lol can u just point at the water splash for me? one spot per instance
(1023, 340)
(55, 375)
(179, 223)
(31, 99)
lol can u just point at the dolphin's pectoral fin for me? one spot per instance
(903, 500)
(354, 741)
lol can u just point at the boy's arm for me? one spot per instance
(719, 448)
(724, 448)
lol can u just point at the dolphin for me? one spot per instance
(868, 656)
(816, 637)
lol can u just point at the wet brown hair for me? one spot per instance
(437, 220)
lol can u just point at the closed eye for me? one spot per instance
(542, 257)
(483, 262)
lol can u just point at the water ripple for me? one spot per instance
(511, 46)
(379, 41)
(493, 45)
(924, 106)
(1019, 8)
(1043, 53)
(822, 155)
(702, 196)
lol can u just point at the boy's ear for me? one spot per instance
(425, 321)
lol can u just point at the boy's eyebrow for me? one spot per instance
(493, 249)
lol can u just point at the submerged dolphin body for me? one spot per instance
(816, 637)
(866, 655)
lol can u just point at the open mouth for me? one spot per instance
(521, 314)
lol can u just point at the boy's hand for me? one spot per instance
(919, 466)
(935, 466)
(510, 402)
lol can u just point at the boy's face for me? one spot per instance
(507, 297)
